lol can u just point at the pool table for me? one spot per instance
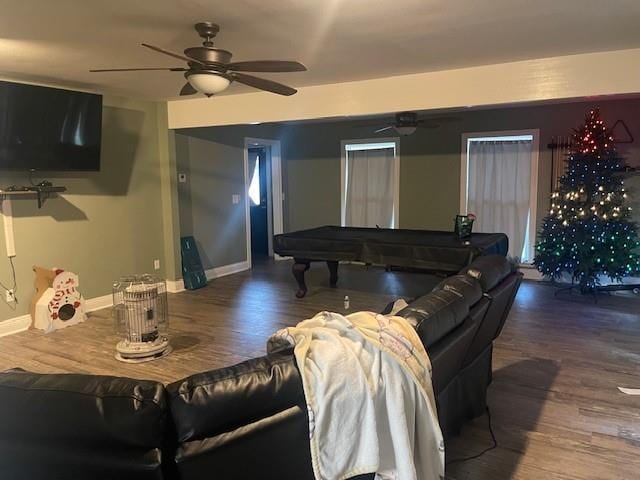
(428, 250)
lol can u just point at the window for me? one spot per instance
(369, 183)
(254, 186)
(499, 178)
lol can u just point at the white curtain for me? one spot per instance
(499, 190)
(369, 189)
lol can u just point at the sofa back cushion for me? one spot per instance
(436, 314)
(80, 426)
(243, 422)
(466, 285)
(490, 270)
(500, 299)
(447, 354)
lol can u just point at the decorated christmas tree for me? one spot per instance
(588, 232)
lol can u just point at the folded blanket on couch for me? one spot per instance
(367, 383)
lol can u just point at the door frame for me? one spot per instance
(533, 186)
(396, 174)
(277, 196)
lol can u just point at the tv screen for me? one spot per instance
(49, 129)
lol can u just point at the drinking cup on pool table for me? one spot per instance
(463, 225)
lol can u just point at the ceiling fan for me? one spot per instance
(406, 123)
(210, 70)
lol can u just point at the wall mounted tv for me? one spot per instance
(49, 129)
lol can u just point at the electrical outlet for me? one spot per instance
(156, 264)
(10, 296)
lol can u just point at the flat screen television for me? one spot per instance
(49, 129)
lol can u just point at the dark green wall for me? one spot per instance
(429, 167)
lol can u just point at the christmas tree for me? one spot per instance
(588, 232)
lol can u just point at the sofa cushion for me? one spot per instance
(436, 314)
(447, 354)
(466, 285)
(249, 390)
(490, 270)
(222, 416)
(80, 426)
(500, 298)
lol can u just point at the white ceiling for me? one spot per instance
(58, 41)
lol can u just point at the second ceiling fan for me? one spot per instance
(406, 123)
(209, 70)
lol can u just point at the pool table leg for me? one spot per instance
(298, 269)
(333, 272)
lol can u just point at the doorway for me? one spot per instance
(263, 195)
(258, 203)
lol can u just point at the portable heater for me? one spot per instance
(140, 312)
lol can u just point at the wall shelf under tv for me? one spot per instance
(41, 192)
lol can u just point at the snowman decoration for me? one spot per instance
(62, 305)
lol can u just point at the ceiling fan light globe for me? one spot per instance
(405, 130)
(208, 83)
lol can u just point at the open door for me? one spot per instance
(259, 204)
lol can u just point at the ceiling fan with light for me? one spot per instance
(209, 70)
(406, 123)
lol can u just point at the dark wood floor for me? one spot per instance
(556, 411)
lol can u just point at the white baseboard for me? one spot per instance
(97, 303)
(15, 325)
(23, 322)
(175, 286)
(227, 270)
(531, 273)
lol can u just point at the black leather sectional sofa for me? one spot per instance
(247, 421)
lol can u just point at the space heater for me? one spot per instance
(141, 317)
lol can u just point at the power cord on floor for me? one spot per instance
(14, 288)
(478, 455)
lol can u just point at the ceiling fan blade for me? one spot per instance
(262, 84)
(173, 69)
(187, 89)
(383, 129)
(267, 66)
(172, 54)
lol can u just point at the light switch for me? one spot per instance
(235, 198)
(182, 177)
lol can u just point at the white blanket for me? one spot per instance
(367, 382)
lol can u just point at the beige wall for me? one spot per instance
(571, 76)
(429, 166)
(108, 223)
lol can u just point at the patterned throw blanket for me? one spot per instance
(367, 383)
